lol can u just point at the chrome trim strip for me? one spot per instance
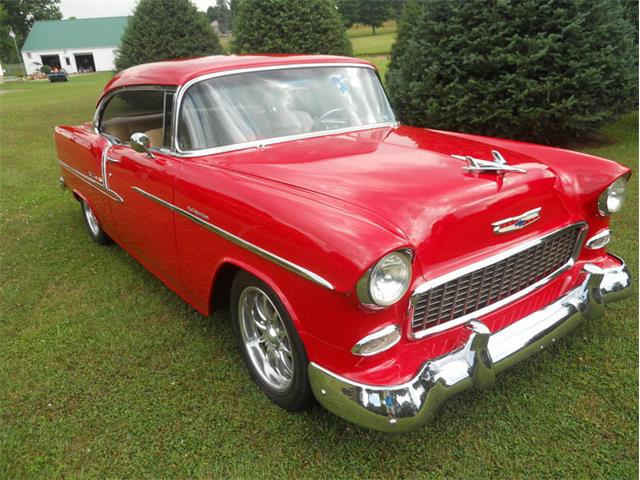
(106, 98)
(485, 263)
(276, 140)
(94, 183)
(392, 334)
(598, 236)
(240, 146)
(474, 364)
(297, 269)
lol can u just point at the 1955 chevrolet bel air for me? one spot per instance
(378, 267)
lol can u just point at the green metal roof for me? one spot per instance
(76, 33)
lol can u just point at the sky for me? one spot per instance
(109, 8)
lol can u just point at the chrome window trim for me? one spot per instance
(276, 140)
(104, 100)
(93, 183)
(270, 141)
(421, 289)
(292, 267)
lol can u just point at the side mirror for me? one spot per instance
(141, 144)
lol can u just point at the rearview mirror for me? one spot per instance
(141, 144)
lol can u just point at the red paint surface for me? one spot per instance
(335, 205)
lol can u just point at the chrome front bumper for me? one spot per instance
(406, 407)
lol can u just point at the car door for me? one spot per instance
(81, 152)
(144, 226)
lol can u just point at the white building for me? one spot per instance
(77, 45)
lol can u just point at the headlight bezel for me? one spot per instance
(364, 287)
(608, 193)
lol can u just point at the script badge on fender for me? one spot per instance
(516, 223)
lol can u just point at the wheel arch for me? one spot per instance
(220, 289)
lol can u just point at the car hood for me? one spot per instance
(408, 180)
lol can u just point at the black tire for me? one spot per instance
(93, 226)
(297, 395)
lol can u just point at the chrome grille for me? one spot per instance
(487, 285)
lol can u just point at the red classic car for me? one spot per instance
(378, 267)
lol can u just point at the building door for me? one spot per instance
(52, 61)
(84, 62)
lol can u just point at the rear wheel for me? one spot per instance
(95, 230)
(269, 343)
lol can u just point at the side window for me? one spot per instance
(137, 111)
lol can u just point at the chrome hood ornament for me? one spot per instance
(518, 222)
(497, 165)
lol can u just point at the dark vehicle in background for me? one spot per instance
(58, 76)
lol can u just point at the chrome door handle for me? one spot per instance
(113, 160)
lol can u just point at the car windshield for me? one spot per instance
(267, 104)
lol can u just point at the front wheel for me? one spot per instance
(269, 343)
(95, 230)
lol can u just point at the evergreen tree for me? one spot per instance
(546, 71)
(283, 26)
(164, 30)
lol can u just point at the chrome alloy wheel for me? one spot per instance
(92, 221)
(266, 339)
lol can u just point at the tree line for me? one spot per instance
(546, 71)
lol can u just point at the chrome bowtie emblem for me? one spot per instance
(497, 165)
(516, 223)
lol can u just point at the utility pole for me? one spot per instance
(15, 44)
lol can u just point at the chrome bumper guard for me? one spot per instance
(406, 407)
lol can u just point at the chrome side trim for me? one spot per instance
(93, 183)
(177, 104)
(474, 364)
(292, 267)
(485, 263)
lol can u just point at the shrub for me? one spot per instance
(283, 26)
(547, 71)
(46, 69)
(163, 30)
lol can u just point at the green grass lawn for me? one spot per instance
(359, 30)
(106, 373)
(374, 48)
(379, 44)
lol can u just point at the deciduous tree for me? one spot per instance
(19, 15)
(374, 13)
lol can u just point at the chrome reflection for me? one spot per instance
(406, 407)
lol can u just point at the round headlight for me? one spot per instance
(612, 199)
(387, 281)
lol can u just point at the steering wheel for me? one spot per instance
(324, 122)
